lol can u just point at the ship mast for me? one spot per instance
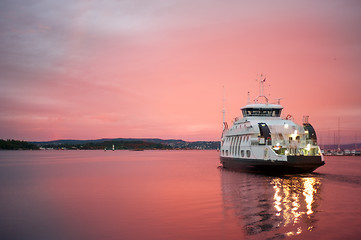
(261, 89)
(223, 109)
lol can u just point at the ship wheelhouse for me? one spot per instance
(262, 110)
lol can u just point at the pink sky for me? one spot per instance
(155, 69)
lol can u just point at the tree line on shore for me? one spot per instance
(11, 144)
(107, 144)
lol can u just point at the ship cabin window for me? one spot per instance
(242, 153)
(261, 112)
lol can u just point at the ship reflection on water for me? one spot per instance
(272, 207)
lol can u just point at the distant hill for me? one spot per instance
(173, 143)
(72, 141)
(129, 142)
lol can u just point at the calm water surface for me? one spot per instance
(171, 195)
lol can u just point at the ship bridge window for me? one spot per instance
(310, 132)
(261, 112)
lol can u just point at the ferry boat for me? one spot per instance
(263, 141)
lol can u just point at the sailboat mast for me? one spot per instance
(338, 133)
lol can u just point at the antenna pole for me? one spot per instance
(355, 141)
(261, 89)
(223, 108)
